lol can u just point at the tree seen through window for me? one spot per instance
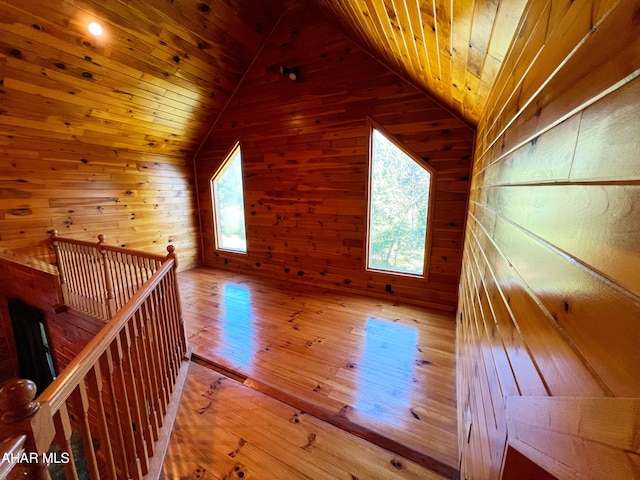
(398, 209)
(228, 200)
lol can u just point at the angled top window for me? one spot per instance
(399, 192)
(228, 204)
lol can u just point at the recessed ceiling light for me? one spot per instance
(95, 29)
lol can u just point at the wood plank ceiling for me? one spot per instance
(119, 118)
(452, 49)
(152, 83)
(162, 71)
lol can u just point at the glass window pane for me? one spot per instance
(229, 205)
(398, 209)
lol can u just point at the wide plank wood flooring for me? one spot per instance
(226, 430)
(381, 369)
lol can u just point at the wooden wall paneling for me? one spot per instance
(452, 50)
(578, 299)
(97, 134)
(552, 216)
(9, 368)
(577, 437)
(305, 147)
(38, 287)
(617, 34)
(561, 368)
(553, 152)
(521, 365)
(614, 139)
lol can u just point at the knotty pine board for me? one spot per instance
(305, 163)
(97, 135)
(552, 225)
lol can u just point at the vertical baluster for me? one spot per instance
(148, 269)
(155, 357)
(131, 378)
(128, 259)
(82, 280)
(160, 345)
(175, 315)
(90, 276)
(140, 381)
(99, 292)
(82, 286)
(167, 313)
(120, 453)
(114, 278)
(125, 409)
(137, 272)
(170, 372)
(61, 266)
(182, 334)
(94, 380)
(125, 276)
(69, 259)
(79, 405)
(124, 293)
(79, 259)
(63, 439)
(151, 385)
(111, 303)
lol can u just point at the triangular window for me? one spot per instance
(228, 204)
(399, 198)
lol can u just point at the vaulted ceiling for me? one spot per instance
(157, 78)
(452, 49)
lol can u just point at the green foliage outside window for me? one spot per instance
(398, 209)
(229, 205)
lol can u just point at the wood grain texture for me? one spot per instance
(453, 50)
(227, 430)
(68, 332)
(97, 134)
(548, 302)
(383, 370)
(577, 437)
(305, 157)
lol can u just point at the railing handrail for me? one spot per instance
(10, 446)
(100, 245)
(123, 387)
(60, 389)
(118, 273)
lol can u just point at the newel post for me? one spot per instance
(20, 415)
(111, 301)
(61, 268)
(171, 254)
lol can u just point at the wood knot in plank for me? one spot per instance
(296, 417)
(205, 408)
(310, 440)
(241, 443)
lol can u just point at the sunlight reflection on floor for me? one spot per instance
(236, 324)
(386, 369)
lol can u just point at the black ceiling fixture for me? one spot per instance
(291, 72)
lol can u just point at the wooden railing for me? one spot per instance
(105, 416)
(99, 279)
(10, 448)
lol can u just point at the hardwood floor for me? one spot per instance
(226, 430)
(382, 370)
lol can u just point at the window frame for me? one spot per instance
(214, 201)
(373, 125)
